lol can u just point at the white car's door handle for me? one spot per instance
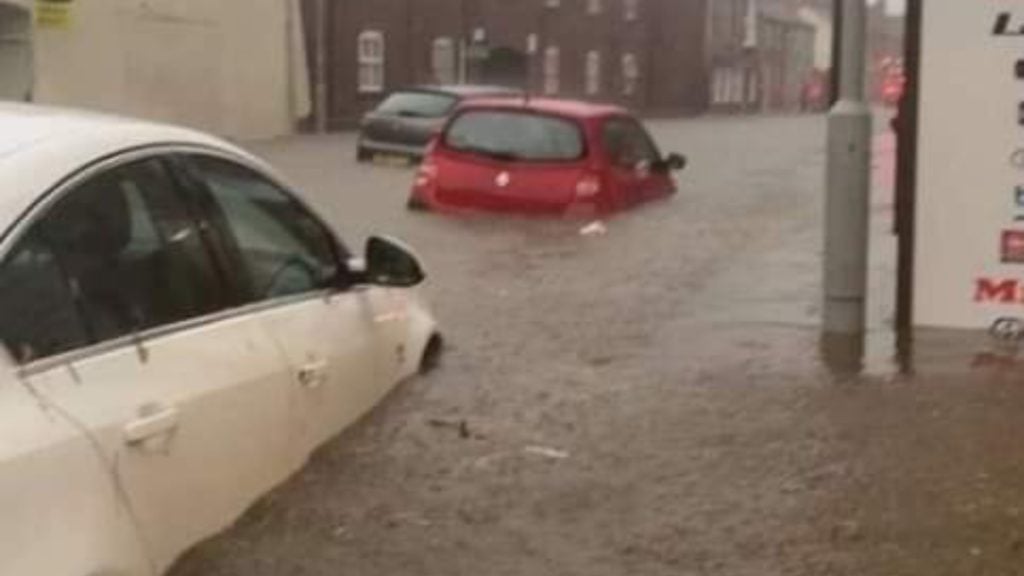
(313, 375)
(159, 423)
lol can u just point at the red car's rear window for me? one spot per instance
(512, 135)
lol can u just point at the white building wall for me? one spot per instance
(15, 49)
(233, 67)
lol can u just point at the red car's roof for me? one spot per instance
(557, 106)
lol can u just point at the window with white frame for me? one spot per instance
(630, 74)
(630, 9)
(442, 60)
(592, 71)
(371, 61)
(595, 6)
(552, 69)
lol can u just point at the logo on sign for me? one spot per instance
(1012, 247)
(1018, 203)
(1007, 25)
(998, 291)
(1008, 329)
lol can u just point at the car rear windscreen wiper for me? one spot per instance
(495, 154)
(411, 114)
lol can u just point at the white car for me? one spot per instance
(181, 330)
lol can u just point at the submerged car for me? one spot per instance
(180, 331)
(406, 120)
(542, 156)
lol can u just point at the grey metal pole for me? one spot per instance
(849, 184)
(320, 59)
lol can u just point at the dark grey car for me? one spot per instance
(404, 122)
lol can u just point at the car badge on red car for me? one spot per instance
(503, 179)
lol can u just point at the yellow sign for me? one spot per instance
(53, 13)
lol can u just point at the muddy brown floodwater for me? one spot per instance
(647, 401)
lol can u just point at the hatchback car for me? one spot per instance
(542, 156)
(405, 121)
(181, 331)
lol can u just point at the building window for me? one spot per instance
(592, 81)
(552, 69)
(595, 7)
(442, 61)
(736, 86)
(631, 9)
(371, 61)
(753, 90)
(718, 90)
(630, 74)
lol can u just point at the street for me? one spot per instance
(647, 401)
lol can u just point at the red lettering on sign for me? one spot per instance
(999, 291)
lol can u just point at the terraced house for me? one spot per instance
(648, 54)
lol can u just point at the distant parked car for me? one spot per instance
(179, 332)
(404, 122)
(542, 156)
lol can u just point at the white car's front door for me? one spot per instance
(183, 391)
(327, 332)
(328, 342)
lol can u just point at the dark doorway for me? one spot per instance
(505, 67)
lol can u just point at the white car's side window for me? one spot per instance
(37, 311)
(280, 246)
(117, 254)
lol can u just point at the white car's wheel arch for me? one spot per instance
(424, 342)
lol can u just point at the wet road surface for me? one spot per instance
(647, 401)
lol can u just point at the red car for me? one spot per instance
(542, 156)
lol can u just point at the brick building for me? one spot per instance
(732, 38)
(648, 54)
(786, 52)
(761, 54)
